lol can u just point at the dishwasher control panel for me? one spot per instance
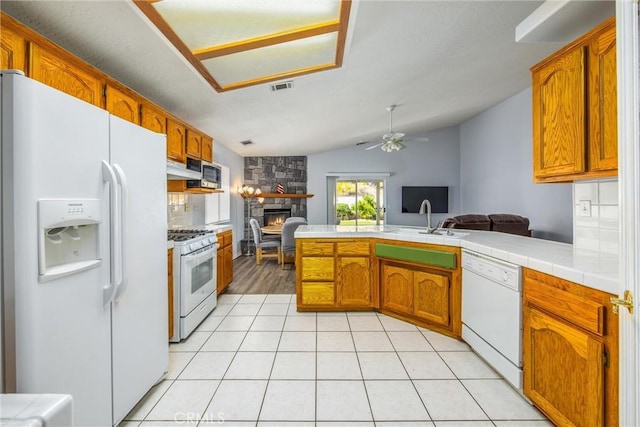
(499, 271)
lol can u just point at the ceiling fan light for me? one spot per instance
(387, 148)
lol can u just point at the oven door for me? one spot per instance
(198, 278)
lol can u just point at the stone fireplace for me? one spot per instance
(276, 216)
(266, 173)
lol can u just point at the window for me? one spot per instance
(359, 202)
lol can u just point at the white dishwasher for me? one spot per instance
(492, 312)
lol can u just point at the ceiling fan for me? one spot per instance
(391, 141)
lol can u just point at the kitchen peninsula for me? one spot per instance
(569, 331)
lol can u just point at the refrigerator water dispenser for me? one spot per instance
(67, 237)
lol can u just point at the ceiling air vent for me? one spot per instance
(281, 86)
(246, 142)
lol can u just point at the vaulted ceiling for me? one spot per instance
(441, 62)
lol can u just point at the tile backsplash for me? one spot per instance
(595, 215)
(185, 209)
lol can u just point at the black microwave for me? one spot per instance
(211, 174)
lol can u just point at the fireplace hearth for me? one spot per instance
(276, 216)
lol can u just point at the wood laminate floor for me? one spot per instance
(266, 278)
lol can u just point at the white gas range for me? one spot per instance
(194, 279)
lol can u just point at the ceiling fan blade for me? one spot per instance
(374, 146)
(416, 139)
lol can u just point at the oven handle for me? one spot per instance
(109, 176)
(124, 197)
(199, 256)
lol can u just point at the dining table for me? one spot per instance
(272, 229)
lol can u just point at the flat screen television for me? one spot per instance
(412, 198)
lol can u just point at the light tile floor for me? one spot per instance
(256, 361)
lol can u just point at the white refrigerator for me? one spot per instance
(84, 262)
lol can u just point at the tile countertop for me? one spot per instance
(589, 268)
(217, 228)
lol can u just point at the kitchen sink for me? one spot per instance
(438, 232)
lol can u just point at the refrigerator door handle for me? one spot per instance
(109, 176)
(124, 197)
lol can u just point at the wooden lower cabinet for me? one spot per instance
(224, 261)
(318, 293)
(335, 273)
(170, 289)
(220, 285)
(570, 351)
(431, 297)
(353, 284)
(415, 291)
(227, 261)
(397, 289)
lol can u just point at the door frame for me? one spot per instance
(628, 52)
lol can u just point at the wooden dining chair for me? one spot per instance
(264, 248)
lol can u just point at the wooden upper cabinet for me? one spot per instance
(194, 144)
(207, 148)
(12, 50)
(122, 104)
(176, 141)
(603, 95)
(559, 132)
(65, 75)
(575, 109)
(153, 118)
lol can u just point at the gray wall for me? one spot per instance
(432, 163)
(496, 172)
(222, 154)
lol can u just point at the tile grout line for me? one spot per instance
(405, 368)
(227, 370)
(173, 380)
(275, 356)
(463, 386)
(288, 315)
(364, 384)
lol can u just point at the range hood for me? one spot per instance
(177, 171)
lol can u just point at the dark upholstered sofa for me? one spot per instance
(505, 223)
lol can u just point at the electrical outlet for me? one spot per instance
(584, 208)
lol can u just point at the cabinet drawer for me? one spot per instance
(318, 293)
(353, 248)
(554, 295)
(225, 239)
(317, 268)
(317, 248)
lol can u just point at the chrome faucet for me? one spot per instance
(427, 203)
